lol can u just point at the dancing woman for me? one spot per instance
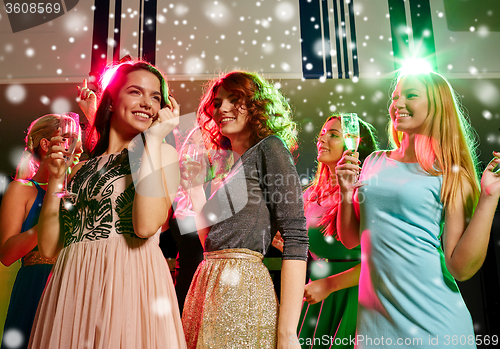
(424, 220)
(332, 293)
(231, 302)
(111, 286)
(19, 215)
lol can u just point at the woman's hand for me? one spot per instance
(490, 181)
(164, 122)
(56, 156)
(347, 170)
(77, 154)
(87, 100)
(192, 173)
(316, 291)
(278, 241)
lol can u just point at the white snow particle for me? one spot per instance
(13, 338)
(60, 105)
(15, 94)
(45, 100)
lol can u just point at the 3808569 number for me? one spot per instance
(477, 339)
(32, 7)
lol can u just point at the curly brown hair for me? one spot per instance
(268, 110)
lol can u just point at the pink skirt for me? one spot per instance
(110, 293)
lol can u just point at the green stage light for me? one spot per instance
(414, 66)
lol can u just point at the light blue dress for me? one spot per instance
(407, 297)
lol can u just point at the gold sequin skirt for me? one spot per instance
(231, 303)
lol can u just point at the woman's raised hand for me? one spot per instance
(490, 181)
(87, 100)
(165, 121)
(346, 171)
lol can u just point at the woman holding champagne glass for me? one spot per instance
(111, 286)
(231, 302)
(19, 215)
(424, 220)
(331, 296)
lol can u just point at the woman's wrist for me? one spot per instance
(55, 181)
(197, 196)
(286, 333)
(346, 190)
(331, 285)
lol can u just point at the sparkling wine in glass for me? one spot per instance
(69, 131)
(350, 131)
(192, 163)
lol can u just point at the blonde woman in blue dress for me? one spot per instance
(424, 221)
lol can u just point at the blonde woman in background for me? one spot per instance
(19, 214)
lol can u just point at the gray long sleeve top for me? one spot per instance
(260, 196)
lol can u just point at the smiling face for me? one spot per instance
(410, 106)
(136, 102)
(330, 143)
(230, 115)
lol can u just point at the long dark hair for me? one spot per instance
(112, 80)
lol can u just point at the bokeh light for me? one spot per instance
(285, 11)
(13, 338)
(230, 277)
(60, 105)
(162, 307)
(15, 94)
(413, 66)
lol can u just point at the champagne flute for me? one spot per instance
(69, 131)
(350, 132)
(192, 163)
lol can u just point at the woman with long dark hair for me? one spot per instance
(111, 286)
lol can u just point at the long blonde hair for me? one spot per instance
(446, 144)
(43, 127)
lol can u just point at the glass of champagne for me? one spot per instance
(350, 131)
(193, 157)
(68, 123)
